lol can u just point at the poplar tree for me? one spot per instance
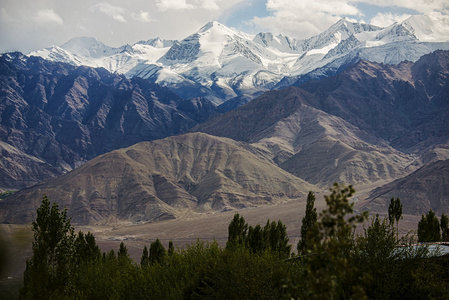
(237, 232)
(328, 274)
(395, 213)
(444, 223)
(171, 248)
(145, 259)
(157, 252)
(429, 228)
(308, 222)
(47, 272)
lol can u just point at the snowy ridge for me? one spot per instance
(220, 63)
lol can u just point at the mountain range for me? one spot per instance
(370, 123)
(55, 116)
(220, 63)
(357, 104)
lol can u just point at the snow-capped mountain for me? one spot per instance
(220, 63)
(91, 52)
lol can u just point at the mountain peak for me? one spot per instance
(428, 28)
(211, 25)
(352, 27)
(157, 43)
(216, 29)
(86, 41)
(87, 47)
(343, 22)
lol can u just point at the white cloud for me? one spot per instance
(176, 19)
(81, 27)
(5, 17)
(423, 6)
(142, 16)
(207, 4)
(334, 7)
(386, 19)
(164, 5)
(47, 17)
(303, 19)
(115, 12)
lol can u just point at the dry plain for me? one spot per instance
(185, 230)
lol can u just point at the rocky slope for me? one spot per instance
(159, 180)
(367, 123)
(61, 115)
(425, 189)
(19, 170)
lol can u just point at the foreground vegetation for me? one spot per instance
(257, 263)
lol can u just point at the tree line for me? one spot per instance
(331, 262)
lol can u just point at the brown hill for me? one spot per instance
(330, 160)
(316, 146)
(424, 189)
(163, 179)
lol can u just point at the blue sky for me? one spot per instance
(28, 25)
(239, 16)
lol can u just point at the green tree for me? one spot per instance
(171, 248)
(308, 222)
(277, 239)
(237, 232)
(86, 249)
(444, 223)
(376, 260)
(157, 252)
(331, 273)
(395, 213)
(48, 271)
(122, 251)
(429, 228)
(272, 237)
(256, 239)
(145, 259)
(123, 257)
